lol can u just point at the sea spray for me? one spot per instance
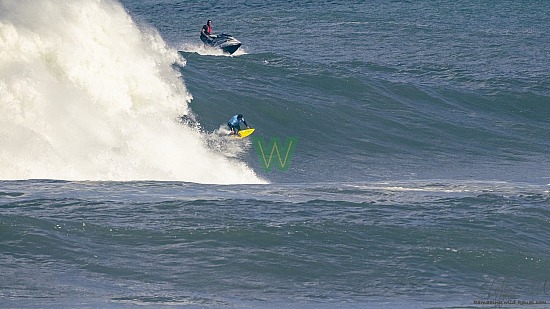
(87, 94)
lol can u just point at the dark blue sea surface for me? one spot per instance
(383, 245)
(420, 177)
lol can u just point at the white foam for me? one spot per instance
(85, 94)
(203, 50)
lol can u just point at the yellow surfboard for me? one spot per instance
(244, 133)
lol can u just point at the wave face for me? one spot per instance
(87, 94)
(374, 92)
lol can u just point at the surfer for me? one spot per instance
(234, 124)
(206, 33)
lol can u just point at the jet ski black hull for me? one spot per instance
(226, 43)
(231, 48)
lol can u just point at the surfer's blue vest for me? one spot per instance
(234, 121)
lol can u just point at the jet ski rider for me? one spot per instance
(206, 32)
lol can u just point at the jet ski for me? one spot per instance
(225, 42)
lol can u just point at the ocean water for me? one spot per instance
(419, 178)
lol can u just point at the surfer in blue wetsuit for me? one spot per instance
(234, 123)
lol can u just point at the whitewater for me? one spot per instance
(88, 94)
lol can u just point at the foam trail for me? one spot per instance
(209, 51)
(87, 95)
